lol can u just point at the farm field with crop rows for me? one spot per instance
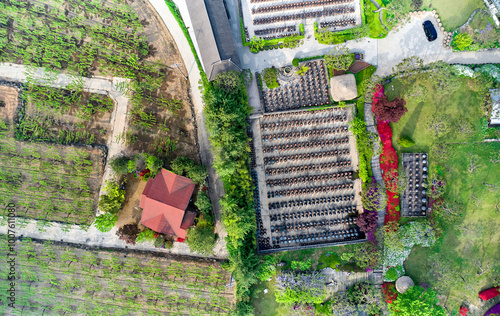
(47, 181)
(57, 278)
(105, 38)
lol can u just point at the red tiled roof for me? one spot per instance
(164, 201)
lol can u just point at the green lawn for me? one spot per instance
(377, 30)
(450, 266)
(453, 13)
(474, 236)
(462, 106)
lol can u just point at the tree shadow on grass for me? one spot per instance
(410, 126)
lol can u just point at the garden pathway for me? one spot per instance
(119, 119)
(375, 163)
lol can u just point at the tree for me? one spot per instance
(119, 165)
(112, 201)
(405, 142)
(128, 233)
(408, 68)
(439, 125)
(367, 221)
(204, 204)
(105, 222)
(185, 166)
(270, 76)
(340, 58)
(295, 62)
(366, 297)
(201, 239)
(341, 306)
(461, 41)
(416, 302)
(154, 164)
(366, 255)
(390, 111)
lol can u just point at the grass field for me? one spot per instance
(463, 260)
(472, 242)
(462, 106)
(453, 13)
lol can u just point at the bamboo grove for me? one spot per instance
(65, 280)
(226, 109)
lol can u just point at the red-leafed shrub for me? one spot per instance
(390, 293)
(367, 221)
(391, 111)
(463, 311)
(489, 293)
(385, 132)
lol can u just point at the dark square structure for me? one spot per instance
(414, 197)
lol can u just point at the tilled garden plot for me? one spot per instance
(58, 278)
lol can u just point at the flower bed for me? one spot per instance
(390, 293)
(388, 161)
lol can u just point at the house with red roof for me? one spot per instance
(164, 202)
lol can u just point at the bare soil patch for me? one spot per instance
(9, 98)
(130, 212)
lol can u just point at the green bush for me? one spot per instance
(204, 204)
(295, 62)
(405, 142)
(119, 165)
(270, 77)
(112, 201)
(267, 269)
(301, 265)
(391, 274)
(154, 164)
(105, 222)
(146, 235)
(347, 256)
(201, 239)
(302, 70)
(461, 41)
